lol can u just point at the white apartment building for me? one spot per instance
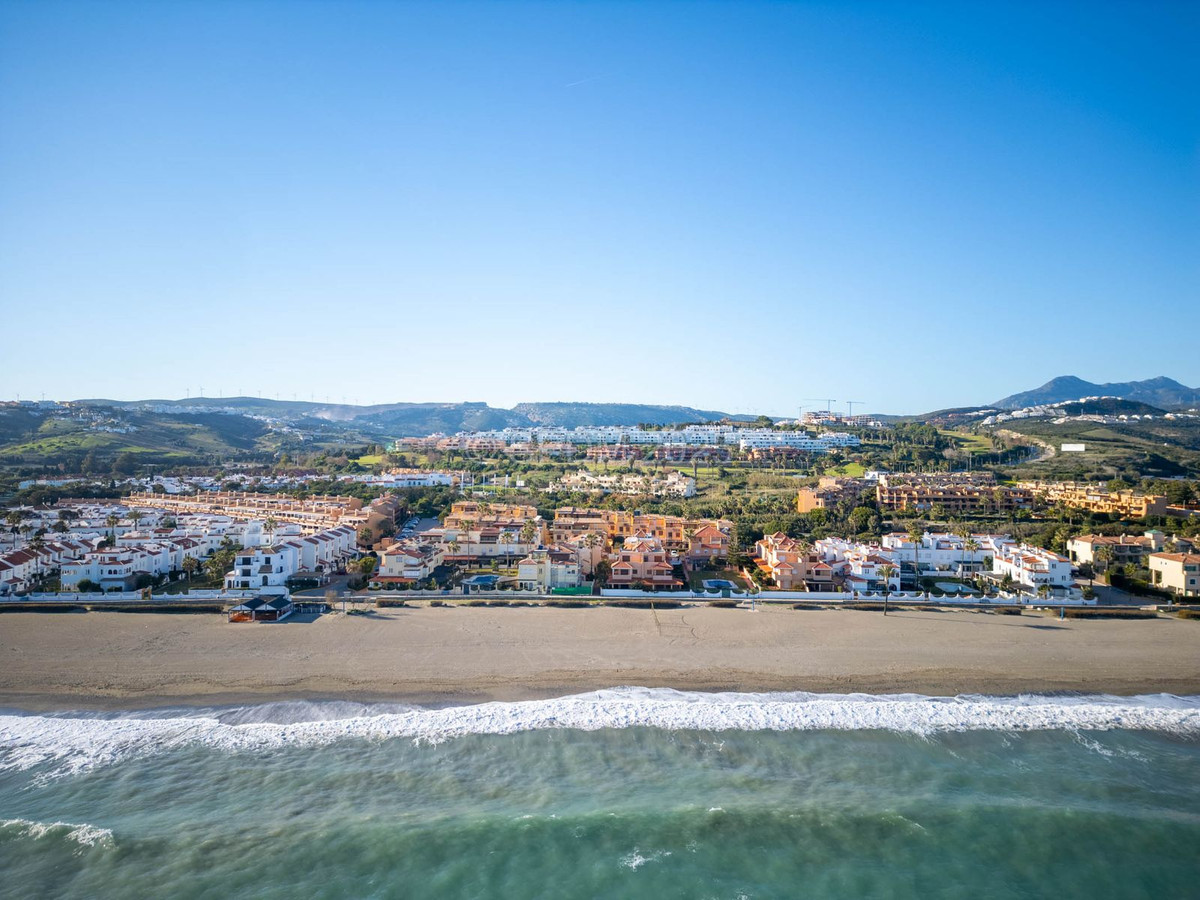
(405, 478)
(408, 561)
(263, 567)
(1032, 567)
(942, 552)
(688, 436)
(545, 569)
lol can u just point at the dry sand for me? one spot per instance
(109, 659)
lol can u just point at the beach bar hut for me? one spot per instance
(244, 611)
(262, 609)
(275, 609)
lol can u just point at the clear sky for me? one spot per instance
(728, 205)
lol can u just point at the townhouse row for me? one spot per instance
(311, 555)
(832, 562)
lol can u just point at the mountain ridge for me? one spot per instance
(413, 419)
(1160, 391)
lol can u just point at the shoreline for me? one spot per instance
(103, 661)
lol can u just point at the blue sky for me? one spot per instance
(728, 205)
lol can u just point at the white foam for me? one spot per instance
(84, 835)
(635, 860)
(78, 743)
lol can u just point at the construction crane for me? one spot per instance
(850, 407)
(826, 400)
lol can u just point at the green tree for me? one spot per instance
(219, 563)
(887, 573)
(189, 565)
(916, 532)
(124, 465)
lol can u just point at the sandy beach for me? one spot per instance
(111, 660)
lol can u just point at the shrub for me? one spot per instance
(1006, 610)
(568, 604)
(1189, 613)
(1109, 612)
(477, 603)
(390, 602)
(807, 606)
(723, 604)
(438, 603)
(633, 603)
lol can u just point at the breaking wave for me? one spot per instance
(74, 743)
(84, 835)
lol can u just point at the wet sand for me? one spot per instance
(126, 660)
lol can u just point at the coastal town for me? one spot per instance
(172, 538)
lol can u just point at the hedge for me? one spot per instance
(1108, 612)
(643, 604)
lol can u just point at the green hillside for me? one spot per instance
(41, 439)
(1158, 448)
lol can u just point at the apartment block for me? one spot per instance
(957, 494)
(1176, 572)
(830, 491)
(643, 560)
(1127, 504)
(1032, 567)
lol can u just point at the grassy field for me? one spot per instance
(850, 470)
(1157, 448)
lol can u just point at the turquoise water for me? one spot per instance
(1041, 797)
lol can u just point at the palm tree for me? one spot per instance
(111, 521)
(189, 565)
(528, 531)
(35, 544)
(506, 538)
(887, 572)
(916, 531)
(269, 525)
(1104, 554)
(1043, 591)
(135, 516)
(970, 545)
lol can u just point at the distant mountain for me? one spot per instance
(1162, 392)
(417, 419)
(570, 415)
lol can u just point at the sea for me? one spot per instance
(622, 793)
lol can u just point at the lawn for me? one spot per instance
(697, 578)
(850, 470)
